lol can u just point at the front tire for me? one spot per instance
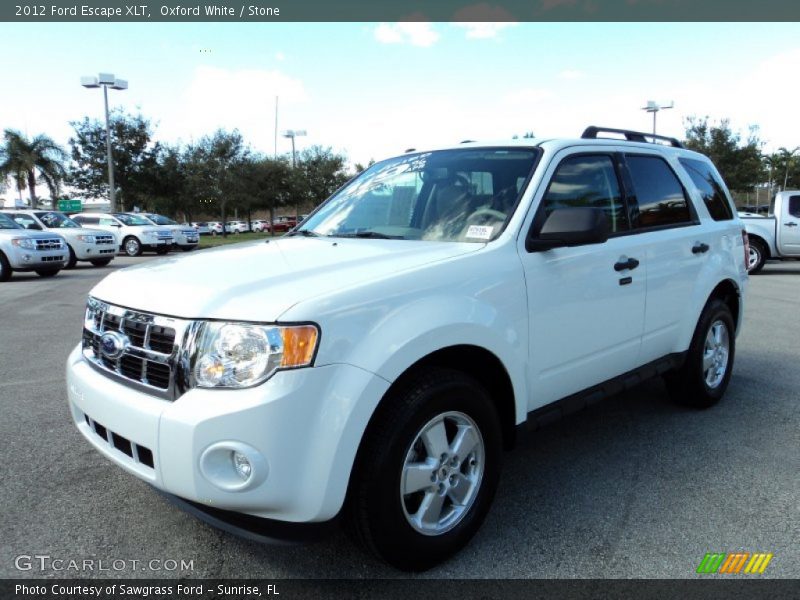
(702, 380)
(5, 268)
(72, 260)
(427, 470)
(132, 246)
(757, 257)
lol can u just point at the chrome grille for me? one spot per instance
(151, 358)
(48, 244)
(189, 232)
(103, 239)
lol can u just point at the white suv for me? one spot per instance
(376, 362)
(135, 234)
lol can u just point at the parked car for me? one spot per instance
(135, 234)
(237, 227)
(94, 246)
(25, 250)
(185, 236)
(376, 362)
(215, 227)
(201, 227)
(777, 236)
(283, 224)
(259, 225)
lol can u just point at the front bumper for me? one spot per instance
(92, 251)
(304, 426)
(187, 240)
(22, 259)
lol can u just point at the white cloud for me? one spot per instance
(241, 99)
(416, 33)
(527, 96)
(483, 30)
(571, 74)
(280, 56)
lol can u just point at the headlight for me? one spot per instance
(86, 238)
(26, 243)
(151, 233)
(176, 232)
(238, 355)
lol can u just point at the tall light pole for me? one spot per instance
(293, 133)
(107, 80)
(654, 107)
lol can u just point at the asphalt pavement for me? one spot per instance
(634, 487)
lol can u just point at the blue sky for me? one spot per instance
(373, 90)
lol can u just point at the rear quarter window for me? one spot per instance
(710, 187)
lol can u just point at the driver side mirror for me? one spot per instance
(33, 226)
(570, 227)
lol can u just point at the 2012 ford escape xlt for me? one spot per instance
(376, 361)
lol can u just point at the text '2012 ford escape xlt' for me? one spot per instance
(375, 362)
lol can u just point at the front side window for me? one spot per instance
(54, 220)
(711, 189)
(587, 181)
(161, 220)
(26, 221)
(794, 206)
(447, 196)
(660, 195)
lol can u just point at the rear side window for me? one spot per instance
(710, 188)
(587, 181)
(660, 195)
(85, 220)
(794, 206)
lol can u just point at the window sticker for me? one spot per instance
(480, 232)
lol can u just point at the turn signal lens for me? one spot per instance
(299, 343)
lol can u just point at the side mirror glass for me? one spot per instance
(570, 227)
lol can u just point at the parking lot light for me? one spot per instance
(107, 80)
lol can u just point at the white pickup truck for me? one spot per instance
(776, 236)
(375, 361)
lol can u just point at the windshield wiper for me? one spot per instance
(303, 232)
(370, 234)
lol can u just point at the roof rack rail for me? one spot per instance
(590, 133)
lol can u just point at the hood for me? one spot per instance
(72, 232)
(258, 281)
(31, 233)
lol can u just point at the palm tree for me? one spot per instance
(23, 159)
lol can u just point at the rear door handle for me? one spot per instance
(700, 248)
(791, 224)
(631, 263)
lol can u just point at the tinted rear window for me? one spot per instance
(710, 187)
(659, 193)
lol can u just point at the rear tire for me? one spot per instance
(5, 268)
(757, 257)
(100, 262)
(47, 272)
(414, 501)
(72, 260)
(702, 380)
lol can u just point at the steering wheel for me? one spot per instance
(487, 212)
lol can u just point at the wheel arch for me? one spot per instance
(764, 244)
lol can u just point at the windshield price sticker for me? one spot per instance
(480, 232)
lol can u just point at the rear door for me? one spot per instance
(675, 245)
(586, 308)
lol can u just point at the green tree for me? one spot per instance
(266, 182)
(739, 161)
(319, 173)
(133, 152)
(23, 160)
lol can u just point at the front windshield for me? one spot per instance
(134, 220)
(54, 220)
(7, 222)
(161, 220)
(464, 195)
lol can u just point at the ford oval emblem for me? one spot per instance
(113, 344)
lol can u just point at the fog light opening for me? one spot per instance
(243, 467)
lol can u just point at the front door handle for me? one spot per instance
(791, 224)
(631, 263)
(700, 248)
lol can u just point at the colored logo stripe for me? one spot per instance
(733, 562)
